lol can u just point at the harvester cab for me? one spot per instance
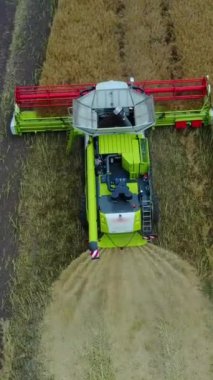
(113, 107)
(112, 116)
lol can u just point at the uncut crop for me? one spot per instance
(193, 36)
(83, 47)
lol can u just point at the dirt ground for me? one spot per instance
(136, 314)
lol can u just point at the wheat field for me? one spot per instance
(94, 41)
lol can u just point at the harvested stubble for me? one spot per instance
(50, 235)
(166, 41)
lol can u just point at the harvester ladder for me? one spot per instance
(147, 217)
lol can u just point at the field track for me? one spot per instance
(135, 314)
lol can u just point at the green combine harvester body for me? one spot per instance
(120, 206)
(114, 188)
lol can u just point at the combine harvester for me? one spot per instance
(113, 116)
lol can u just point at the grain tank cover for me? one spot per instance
(113, 107)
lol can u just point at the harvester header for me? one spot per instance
(29, 100)
(63, 95)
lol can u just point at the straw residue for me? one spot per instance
(135, 314)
